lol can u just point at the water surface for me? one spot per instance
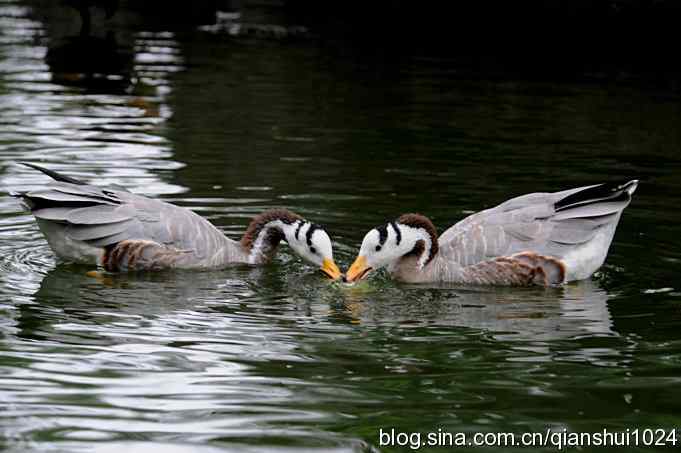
(277, 358)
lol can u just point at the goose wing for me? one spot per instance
(106, 216)
(551, 224)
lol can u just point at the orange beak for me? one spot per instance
(330, 269)
(358, 270)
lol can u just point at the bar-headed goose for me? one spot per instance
(118, 230)
(539, 238)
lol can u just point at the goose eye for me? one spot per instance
(313, 250)
(378, 248)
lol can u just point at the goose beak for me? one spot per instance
(330, 269)
(358, 270)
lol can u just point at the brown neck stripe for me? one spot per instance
(258, 223)
(423, 222)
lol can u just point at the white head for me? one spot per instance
(410, 235)
(308, 240)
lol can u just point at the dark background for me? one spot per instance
(550, 39)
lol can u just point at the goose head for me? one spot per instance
(411, 235)
(308, 240)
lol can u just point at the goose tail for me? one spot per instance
(596, 201)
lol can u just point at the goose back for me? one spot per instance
(576, 226)
(80, 220)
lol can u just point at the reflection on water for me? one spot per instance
(512, 314)
(85, 133)
(228, 122)
(197, 340)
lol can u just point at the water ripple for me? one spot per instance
(277, 357)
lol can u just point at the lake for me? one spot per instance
(231, 119)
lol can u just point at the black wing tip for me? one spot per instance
(53, 174)
(35, 166)
(613, 191)
(616, 188)
(630, 186)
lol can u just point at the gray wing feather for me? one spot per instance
(87, 191)
(54, 214)
(523, 231)
(105, 216)
(539, 198)
(110, 240)
(592, 210)
(536, 222)
(581, 230)
(57, 196)
(99, 214)
(92, 232)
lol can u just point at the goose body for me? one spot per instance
(538, 238)
(119, 230)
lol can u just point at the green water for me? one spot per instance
(278, 358)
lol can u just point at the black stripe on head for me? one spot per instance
(398, 233)
(311, 230)
(300, 225)
(382, 234)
